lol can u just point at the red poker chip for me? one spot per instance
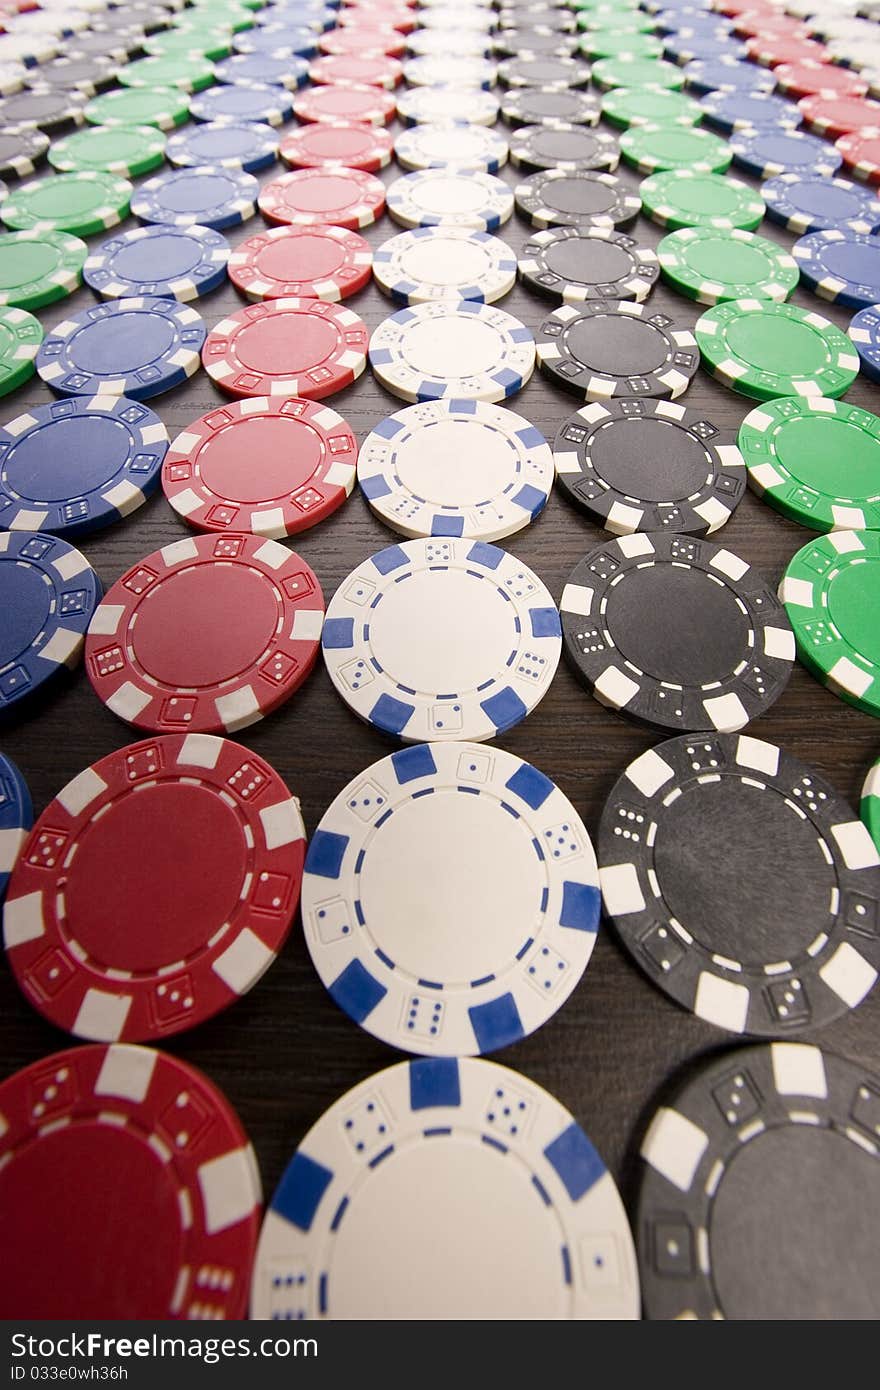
(319, 262)
(371, 6)
(861, 154)
(161, 883)
(311, 197)
(270, 467)
(348, 69)
(363, 38)
(755, 23)
(813, 79)
(365, 105)
(833, 116)
(349, 143)
(208, 634)
(398, 17)
(287, 347)
(128, 1190)
(774, 49)
(735, 7)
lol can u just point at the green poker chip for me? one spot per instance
(650, 148)
(616, 43)
(681, 198)
(81, 203)
(163, 107)
(637, 72)
(709, 266)
(122, 150)
(20, 336)
(614, 18)
(185, 72)
(38, 267)
(815, 460)
(193, 41)
(763, 350)
(870, 803)
(831, 593)
(234, 16)
(626, 106)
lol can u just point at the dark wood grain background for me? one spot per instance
(284, 1052)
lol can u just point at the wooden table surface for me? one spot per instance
(285, 1051)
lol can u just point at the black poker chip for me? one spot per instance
(676, 632)
(44, 108)
(566, 147)
(80, 74)
(547, 106)
(556, 17)
(554, 198)
(574, 264)
(117, 46)
(21, 149)
(607, 348)
(543, 72)
(649, 466)
(536, 40)
(759, 1195)
(133, 15)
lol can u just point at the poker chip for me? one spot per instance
(637, 72)
(75, 466)
(449, 198)
(451, 144)
(189, 42)
(729, 111)
(29, 49)
(382, 16)
(172, 262)
(85, 74)
(125, 151)
(252, 102)
(80, 203)
(137, 347)
(681, 198)
(727, 75)
(364, 39)
(545, 105)
(45, 108)
(772, 49)
(860, 152)
(164, 107)
(574, 264)
(366, 105)
(834, 116)
(49, 592)
(535, 41)
(184, 72)
(560, 74)
(319, 262)
(807, 79)
(356, 69)
(262, 68)
(568, 148)
(617, 43)
(287, 347)
(869, 804)
(479, 1137)
(752, 1141)
(762, 350)
(245, 145)
(815, 460)
(721, 656)
(37, 268)
(864, 333)
(760, 21)
(649, 466)
(117, 46)
(207, 195)
(468, 43)
(462, 18)
(493, 649)
(444, 263)
(842, 266)
(766, 153)
(272, 468)
(656, 148)
(159, 1162)
(557, 199)
(280, 40)
(810, 203)
(609, 348)
(16, 817)
(681, 48)
(456, 468)
(709, 265)
(12, 78)
(325, 144)
(311, 197)
(629, 106)
(428, 104)
(461, 350)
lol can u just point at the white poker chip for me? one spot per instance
(432, 42)
(448, 1189)
(446, 198)
(451, 144)
(439, 639)
(432, 71)
(12, 76)
(459, 351)
(456, 468)
(472, 105)
(430, 263)
(458, 18)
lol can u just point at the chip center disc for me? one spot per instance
(577, 195)
(106, 1226)
(710, 628)
(204, 625)
(817, 452)
(30, 261)
(121, 347)
(449, 195)
(616, 346)
(701, 195)
(777, 345)
(443, 631)
(282, 344)
(281, 455)
(768, 1260)
(479, 912)
(826, 200)
(438, 464)
(853, 605)
(37, 467)
(561, 144)
(590, 261)
(79, 196)
(737, 262)
(761, 893)
(226, 142)
(170, 255)
(437, 262)
(678, 464)
(853, 261)
(325, 193)
(195, 193)
(458, 346)
(447, 1189)
(317, 256)
(140, 920)
(26, 608)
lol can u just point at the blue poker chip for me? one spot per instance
(766, 153)
(300, 13)
(261, 67)
(174, 262)
(729, 111)
(255, 102)
(841, 266)
(810, 203)
(281, 40)
(16, 817)
(864, 332)
(48, 595)
(206, 195)
(79, 464)
(727, 75)
(692, 22)
(245, 145)
(682, 48)
(135, 347)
